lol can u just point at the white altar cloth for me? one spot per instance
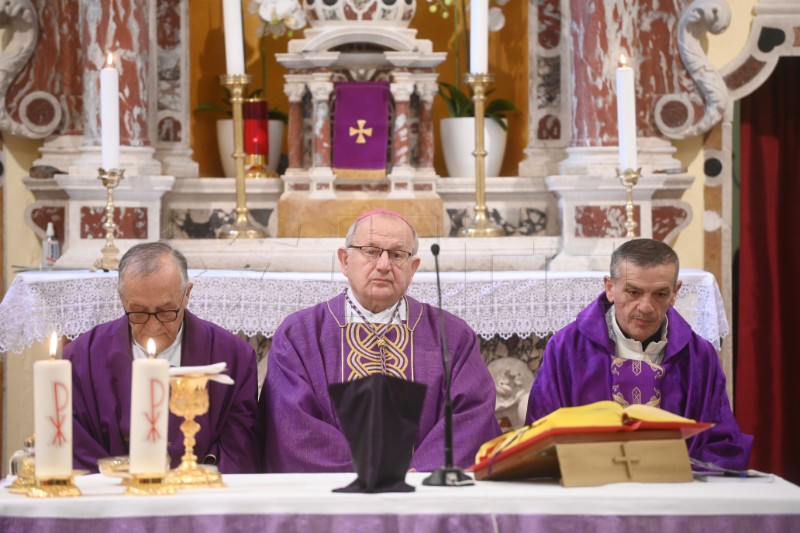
(493, 303)
(304, 502)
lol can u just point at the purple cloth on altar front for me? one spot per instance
(303, 433)
(636, 382)
(101, 383)
(576, 370)
(361, 126)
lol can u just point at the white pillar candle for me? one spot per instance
(626, 116)
(234, 42)
(479, 37)
(52, 412)
(149, 414)
(109, 115)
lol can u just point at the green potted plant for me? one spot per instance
(458, 131)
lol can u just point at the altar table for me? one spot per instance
(304, 502)
(493, 303)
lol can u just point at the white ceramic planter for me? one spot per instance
(225, 143)
(458, 143)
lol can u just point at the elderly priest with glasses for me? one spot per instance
(154, 289)
(372, 327)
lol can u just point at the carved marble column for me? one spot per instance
(427, 89)
(295, 88)
(171, 103)
(321, 174)
(402, 173)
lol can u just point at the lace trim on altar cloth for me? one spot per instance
(492, 303)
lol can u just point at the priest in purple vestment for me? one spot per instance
(631, 346)
(372, 328)
(154, 289)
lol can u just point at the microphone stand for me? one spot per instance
(448, 475)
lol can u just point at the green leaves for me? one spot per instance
(460, 105)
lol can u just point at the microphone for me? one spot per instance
(448, 475)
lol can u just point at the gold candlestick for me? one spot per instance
(149, 485)
(242, 227)
(629, 179)
(109, 259)
(54, 487)
(189, 399)
(481, 225)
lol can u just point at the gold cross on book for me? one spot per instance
(361, 131)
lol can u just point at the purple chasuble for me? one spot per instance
(576, 370)
(309, 352)
(636, 382)
(101, 381)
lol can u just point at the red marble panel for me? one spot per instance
(549, 15)
(549, 128)
(42, 215)
(746, 72)
(423, 186)
(400, 148)
(168, 23)
(599, 221)
(426, 142)
(666, 218)
(132, 222)
(169, 129)
(644, 31)
(60, 44)
(295, 135)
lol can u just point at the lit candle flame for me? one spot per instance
(53, 344)
(151, 348)
(622, 61)
(110, 60)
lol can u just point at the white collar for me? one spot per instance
(171, 354)
(381, 317)
(632, 349)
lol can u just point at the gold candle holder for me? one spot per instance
(109, 259)
(481, 225)
(629, 179)
(242, 227)
(189, 399)
(54, 487)
(257, 167)
(149, 485)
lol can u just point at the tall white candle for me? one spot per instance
(109, 115)
(234, 42)
(479, 37)
(626, 116)
(149, 414)
(52, 412)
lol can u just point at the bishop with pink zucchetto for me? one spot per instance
(373, 327)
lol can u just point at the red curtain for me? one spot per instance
(768, 351)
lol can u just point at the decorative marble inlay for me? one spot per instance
(549, 34)
(549, 128)
(741, 76)
(548, 88)
(132, 222)
(525, 221)
(168, 36)
(204, 223)
(666, 218)
(42, 215)
(395, 12)
(607, 221)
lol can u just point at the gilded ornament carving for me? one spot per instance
(40, 112)
(674, 115)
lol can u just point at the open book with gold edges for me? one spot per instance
(532, 451)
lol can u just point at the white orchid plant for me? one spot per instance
(280, 16)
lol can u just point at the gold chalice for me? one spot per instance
(189, 399)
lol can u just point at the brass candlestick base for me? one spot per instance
(243, 226)
(189, 399)
(257, 167)
(481, 225)
(109, 259)
(148, 485)
(26, 474)
(629, 179)
(54, 488)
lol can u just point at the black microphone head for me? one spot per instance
(435, 249)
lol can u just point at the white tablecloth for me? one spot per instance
(304, 502)
(493, 303)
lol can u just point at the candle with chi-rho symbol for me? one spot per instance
(149, 414)
(52, 412)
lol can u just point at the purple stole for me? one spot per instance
(636, 382)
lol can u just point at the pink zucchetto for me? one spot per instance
(384, 212)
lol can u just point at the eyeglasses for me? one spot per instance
(141, 317)
(373, 253)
